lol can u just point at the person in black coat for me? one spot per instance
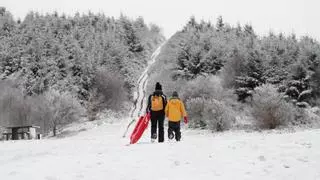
(157, 102)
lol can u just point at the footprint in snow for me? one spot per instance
(305, 144)
(51, 178)
(12, 173)
(286, 166)
(262, 158)
(177, 163)
(304, 159)
(80, 176)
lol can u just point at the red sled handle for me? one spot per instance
(139, 128)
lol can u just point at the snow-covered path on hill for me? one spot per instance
(140, 94)
(101, 153)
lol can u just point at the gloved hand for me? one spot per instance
(185, 119)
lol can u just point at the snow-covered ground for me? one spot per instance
(101, 153)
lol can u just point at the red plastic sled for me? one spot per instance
(140, 128)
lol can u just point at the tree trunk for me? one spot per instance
(54, 130)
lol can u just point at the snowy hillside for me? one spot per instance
(101, 153)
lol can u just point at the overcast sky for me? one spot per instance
(299, 16)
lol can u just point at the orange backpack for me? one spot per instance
(157, 103)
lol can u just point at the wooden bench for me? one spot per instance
(6, 136)
(24, 135)
(21, 132)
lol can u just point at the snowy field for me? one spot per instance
(101, 153)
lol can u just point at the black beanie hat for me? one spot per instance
(175, 94)
(158, 86)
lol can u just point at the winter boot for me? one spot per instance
(171, 136)
(153, 138)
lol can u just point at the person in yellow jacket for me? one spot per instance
(175, 111)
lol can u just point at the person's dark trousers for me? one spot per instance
(174, 127)
(157, 119)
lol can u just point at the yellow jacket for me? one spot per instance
(175, 110)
